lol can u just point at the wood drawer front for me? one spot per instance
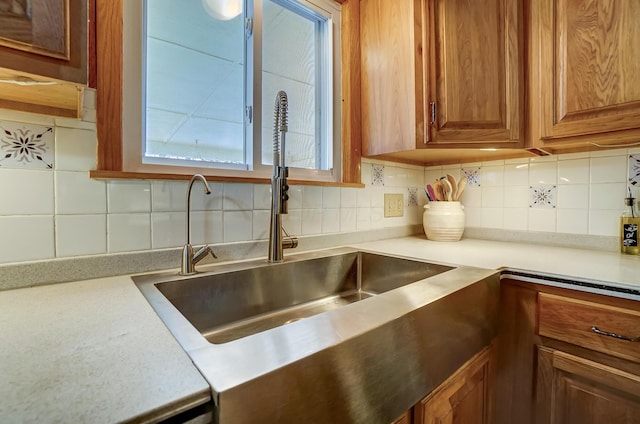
(571, 320)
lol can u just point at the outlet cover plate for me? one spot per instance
(393, 205)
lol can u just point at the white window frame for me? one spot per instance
(133, 103)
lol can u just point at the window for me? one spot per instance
(205, 98)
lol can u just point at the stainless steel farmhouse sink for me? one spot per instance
(226, 306)
(340, 335)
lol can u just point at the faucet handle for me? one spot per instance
(202, 252)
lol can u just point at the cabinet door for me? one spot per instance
(463, 399)
(585, 66)
(477, 72)
(392, 76)
(574, 390)
(45, 37)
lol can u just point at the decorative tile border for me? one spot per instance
(413, 196)
(473, 176)
(634, 170)
(377, 175)
(543, 196)
(26, 146)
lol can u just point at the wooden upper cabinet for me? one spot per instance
(476, 79)
(392, 76)
(43, 55)
(585, 67)
(441, 73)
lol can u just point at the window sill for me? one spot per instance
(122, 175)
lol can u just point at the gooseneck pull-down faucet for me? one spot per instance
(279, 187)
(189, 258)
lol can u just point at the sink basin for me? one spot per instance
(230, 305)
(340, 335)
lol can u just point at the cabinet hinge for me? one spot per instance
(248, 27)
(248, 114)
(432, 105)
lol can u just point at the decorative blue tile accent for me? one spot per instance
(634, 170)
(377, 175)
(543, 196)
(413, 196)
(26, 146)
(472, 175)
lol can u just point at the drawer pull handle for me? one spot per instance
(614, 335)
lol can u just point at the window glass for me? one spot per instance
(194, 83)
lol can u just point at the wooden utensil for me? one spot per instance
(461, 185)
(454, 184)
(448, 191)
(432, 193)
(437, 189)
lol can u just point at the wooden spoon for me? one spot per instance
(437, 189)
(454, 184)
(448, 191)
(461, 185)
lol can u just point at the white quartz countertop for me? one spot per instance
(95, 351)
(90, 352)
(607, 268)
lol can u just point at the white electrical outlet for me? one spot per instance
(393, 205)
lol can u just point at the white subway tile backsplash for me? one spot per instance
(295, 197)
(363, 198)
(541, 219)
(26, 238)
(128, 232)
(348, 197)
(574, 171)
(311, 221)
(261, 196)
(128, 196)
(78, 235)
(311, 197)
(26, 146)
(472, 216)
(348, 220)
(293, 222)
(76, 193)
(167, 196)
(573, 221)
(492, 197)
(574, 196)
(26, 192)
(330, 197)
(200, 201)
(168, 229)
(363, 219)
(516, 219)
(516, 174)
(492, 176)
(237, 197)
(376, 194)
(330, 221)
(492, 217)
(516, 196)
(206, 227)
(75, 149)
(607, 196)
(432, 174)
(261, 221)
(543, 172)
(604, 222)
(378, 220)
(237, 226)
(609, 169)
(472, 197)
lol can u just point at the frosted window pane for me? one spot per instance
(194, 83)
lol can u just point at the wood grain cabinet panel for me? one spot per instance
(574, 390)
(440, 74)
(476, 67)
(464, 398)
(585, 68)
(44, 55)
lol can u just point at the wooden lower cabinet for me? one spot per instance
(464, 398)
(574, 390)
(556, 365)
